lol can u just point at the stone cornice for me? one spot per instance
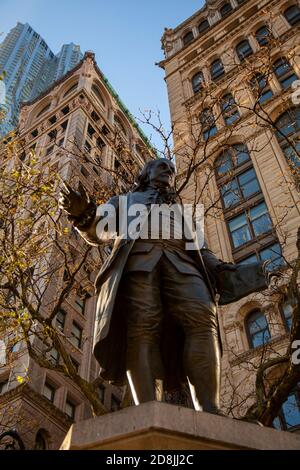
(25, 391)
(199, 40)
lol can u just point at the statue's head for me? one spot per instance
(158, 172)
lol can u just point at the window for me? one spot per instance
(225, 9)
(259, 85)
(3, 385)
(43, 110)
(49, 392)
(257, 329)
(250, 224)
(52, 120)
(234, 157)
(91, 130)
(289, 125)
(65, 110)
(229, 109)
(95, 116)
(84, 172)
(120, 126)
(70, 409)
(284, 73)
(60, 320)
(96, 170)
(216, 69)
(263, 36)
(287, 311)
(64, 125)
(289, 415)
(100, 143)
(40, 441)
(105, 130)
(54, 356)
(87, 146)
(49, 149)
(72, 88)
(203, 26)
(187, 38)
(52, 134)
(76, 335)
(208, 124)
(240, 188)
(244, 49)
(249, 260)
(272, 253)
(98, 94)
(292, 15)
(80, 303)
(197, 82)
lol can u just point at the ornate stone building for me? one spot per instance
(80, 114)
(230, 70)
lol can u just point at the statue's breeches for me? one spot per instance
(153, 297)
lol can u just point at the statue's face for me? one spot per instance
(162, 172)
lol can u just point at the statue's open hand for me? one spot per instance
(73, 202)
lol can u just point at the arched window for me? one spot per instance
(284, 72)
(289, 126)
(98, 94)
(120, 125)
(225, 9)
(72, 88)
(197, 82)
(232, 158)
(257, 329)
(229, 109)
(216, 69)
(263, 36)
(238, 184)
(236, 176)
(259, 85)
(40, 440)
(203, 26)
(243, 49)
(292, 15)
(207, 121)
(43, 110)
(187, 38)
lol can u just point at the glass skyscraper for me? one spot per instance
(30, 68)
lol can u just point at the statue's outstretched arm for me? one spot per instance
(83, 212)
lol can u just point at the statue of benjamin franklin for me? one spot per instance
(156, 320)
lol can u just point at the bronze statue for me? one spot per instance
(156, 320)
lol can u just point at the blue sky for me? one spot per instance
(124, 34)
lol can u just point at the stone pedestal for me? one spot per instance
(160, 426)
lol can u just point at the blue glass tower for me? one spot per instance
(30, 68)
